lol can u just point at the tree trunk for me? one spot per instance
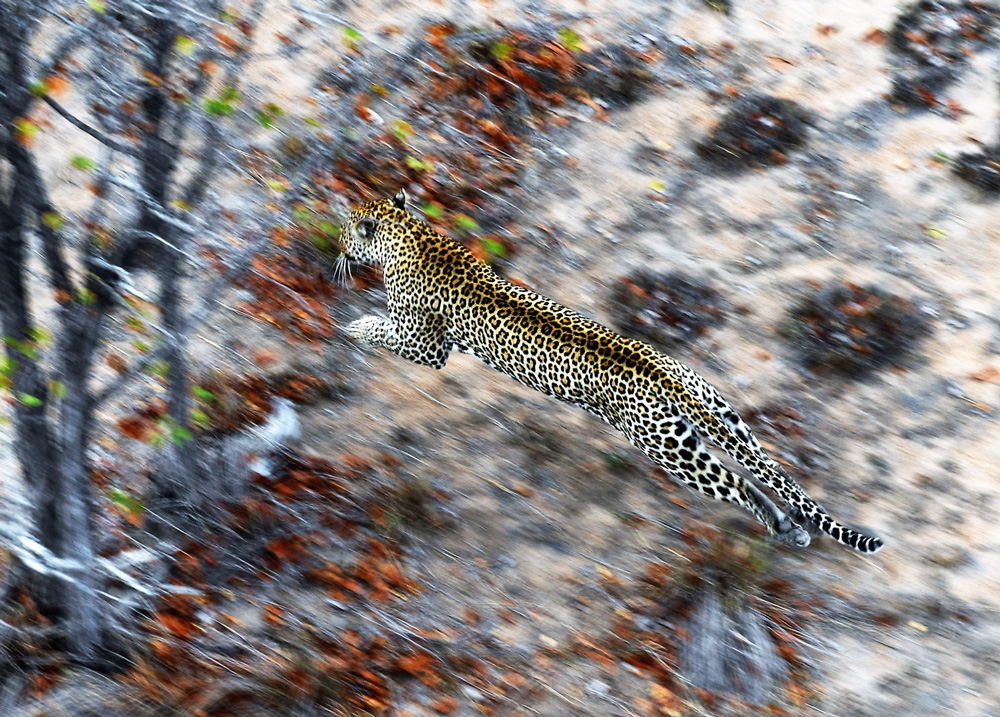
(180, 475)
(81, 331)
(55, 476)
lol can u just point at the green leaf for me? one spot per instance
(8, 366)
(417, 164)
(320, 242)
(265, 119)
(352, 37)
(160, 369)
(86, 296)
(28, 400)
(57, 389)
(97, 5)
(128, 503)
(466, 223)
(179, 434)
(312, 121)
(141, 346)
(78, 161)
(433, 210)
(615, 461)
(41, 336)
(200, 418)
(501, 50)
(402, 131)
(25, 128)
(658, 186)
(25, 348)
(570, 40)
(204, 395)
(275, 185)
(218, 108)
(53, 221)
(943, 157)
(329, 228)
(39, 88)
(222, 105)
(935, 232)
(494, 247)
(185, 45)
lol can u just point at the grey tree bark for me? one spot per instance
(52, 382)
(50, 444)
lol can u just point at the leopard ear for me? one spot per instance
(400, 199)
(366, 227)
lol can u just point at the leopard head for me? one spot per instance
(370, 228)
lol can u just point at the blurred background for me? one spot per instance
(213, 503)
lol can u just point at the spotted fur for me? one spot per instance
(441, 298)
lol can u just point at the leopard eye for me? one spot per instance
(366, 227)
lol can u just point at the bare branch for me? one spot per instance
(196, 188)
(26, 172)
(194, 318)
(86, 128)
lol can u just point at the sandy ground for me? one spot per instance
(914, 455)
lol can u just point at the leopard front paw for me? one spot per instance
(365, 330)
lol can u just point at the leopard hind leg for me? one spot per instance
(676, 446)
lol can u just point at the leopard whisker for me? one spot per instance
(340, 271)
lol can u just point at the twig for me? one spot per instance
(86, 128)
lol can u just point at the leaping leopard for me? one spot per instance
(441, 298)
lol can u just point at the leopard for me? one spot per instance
(441, 298)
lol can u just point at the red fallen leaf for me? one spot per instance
(361, 107)
(789, 654)
(779, 63)
(279, 235)
(987, 375)
(265, 357)
(181, 627)
(289, 548)
(56, 85)
(274, 615)
(445, 705)
(599, 112)
(226, 42)
(955, 109)
(134, 427)
(42, 682)
(163, 651)
(928, 97)
(116, 362)
(876, 36)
